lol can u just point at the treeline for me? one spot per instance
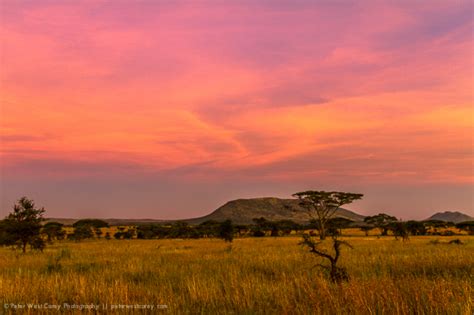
(382, 223)
(24, 226)
(214, 229)
(386, 223)
(335, 226)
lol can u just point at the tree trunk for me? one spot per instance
(322, 231)
(24, 246)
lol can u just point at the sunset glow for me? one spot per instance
(168, 109)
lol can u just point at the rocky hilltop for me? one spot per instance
(242, 211)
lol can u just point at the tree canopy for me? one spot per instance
(226, 231)
(53, 230)
(466, 226)
(23, 225)
(322, 205)
(381, 221)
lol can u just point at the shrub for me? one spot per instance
(226, 231)
(258, 233)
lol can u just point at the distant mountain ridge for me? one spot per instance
(243, 211)
(451, 216)
(240, 211)
(111, 221)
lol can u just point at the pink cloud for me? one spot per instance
(284, 91)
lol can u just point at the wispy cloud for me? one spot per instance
(276, 91)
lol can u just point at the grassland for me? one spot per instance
(254, 275)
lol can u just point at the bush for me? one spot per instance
(467, 226)
(226, 231)
(258, 233)
(38, 244)
(81, 232)
(448, 233)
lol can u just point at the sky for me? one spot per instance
(168, 109)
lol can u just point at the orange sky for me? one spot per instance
(166, 110)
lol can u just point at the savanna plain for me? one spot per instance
(424, 275)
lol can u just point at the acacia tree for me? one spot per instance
(53, 230)
(381, 221)
(400, 229)
(81, 232)
(416, 227)
(322, 205)
(23, 226)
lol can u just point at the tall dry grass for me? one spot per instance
(256, 275)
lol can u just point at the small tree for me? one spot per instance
(241, 229)
(381, 221)
(5, 237)
(129, 234)
(274, 228)
(209, 228)
(257, 232)
(82, 232)
(336, 273)
(23, 225)
(260, 226)
(37, 243)
(399, 229)
(336, 225)
(226, 231)
(416, 227)
(98, 232)
(467, 226)
(181, 229)
(53, 231)
(322, 205)
(287, 226)
(366, 229)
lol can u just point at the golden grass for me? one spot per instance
(258, 275)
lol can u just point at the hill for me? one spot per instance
(242, 211)
(110, 221)
(451, 216)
